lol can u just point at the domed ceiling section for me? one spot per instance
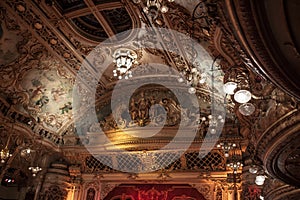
(269, 31)
(96, 20)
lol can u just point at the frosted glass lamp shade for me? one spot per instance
(229, 87)
(247, 109)
(242, 96)
(260, 179)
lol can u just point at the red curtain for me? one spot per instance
(154, 192)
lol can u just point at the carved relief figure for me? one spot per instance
(133, 110)
(143, 105)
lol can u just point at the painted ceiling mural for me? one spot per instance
(50, 97)
(36, 82)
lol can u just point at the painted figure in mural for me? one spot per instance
(66, 108)
(57, 93)
(42, 101)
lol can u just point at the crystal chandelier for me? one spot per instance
(193, 77)
(214, 122)
(226, 147)
(35, 170)
(154, 7)
(235, 165)
(4, 154)
(124, 59)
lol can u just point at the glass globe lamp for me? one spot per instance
(229, 87)
(253, 169)
(246, 109)
(260, 179)
(242, 96)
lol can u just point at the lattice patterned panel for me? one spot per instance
(129, 162)
(151, 161)
(213, 161)
(94, 164)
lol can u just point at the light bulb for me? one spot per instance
(213, 131)
(164, 9)
(192, 90)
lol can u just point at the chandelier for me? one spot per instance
(213, 122)
(4, 154)
(35, 170)
(124, 59)
(226, 147)
(239, 87)
(259, 172)
(235, 165)
(193, 77)
(154, 7)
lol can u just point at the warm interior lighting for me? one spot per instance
(153, 7)
(229, 87)
(4, 154)
(260, 179)
(34, 170)
(242, 96)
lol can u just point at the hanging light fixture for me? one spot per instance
(226, 147)
(235, 165)
(229, 87)
(4, 153)
(154, 7)
(246, 109)
(214, 121)
(239, 87)
(260, 179)
(260, 174)
(35, 170)
(242, 96)
(124, 59)
(230, 84)
(242, 93)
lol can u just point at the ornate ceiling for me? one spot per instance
(48, 47)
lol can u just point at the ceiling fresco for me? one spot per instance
(50, 97)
